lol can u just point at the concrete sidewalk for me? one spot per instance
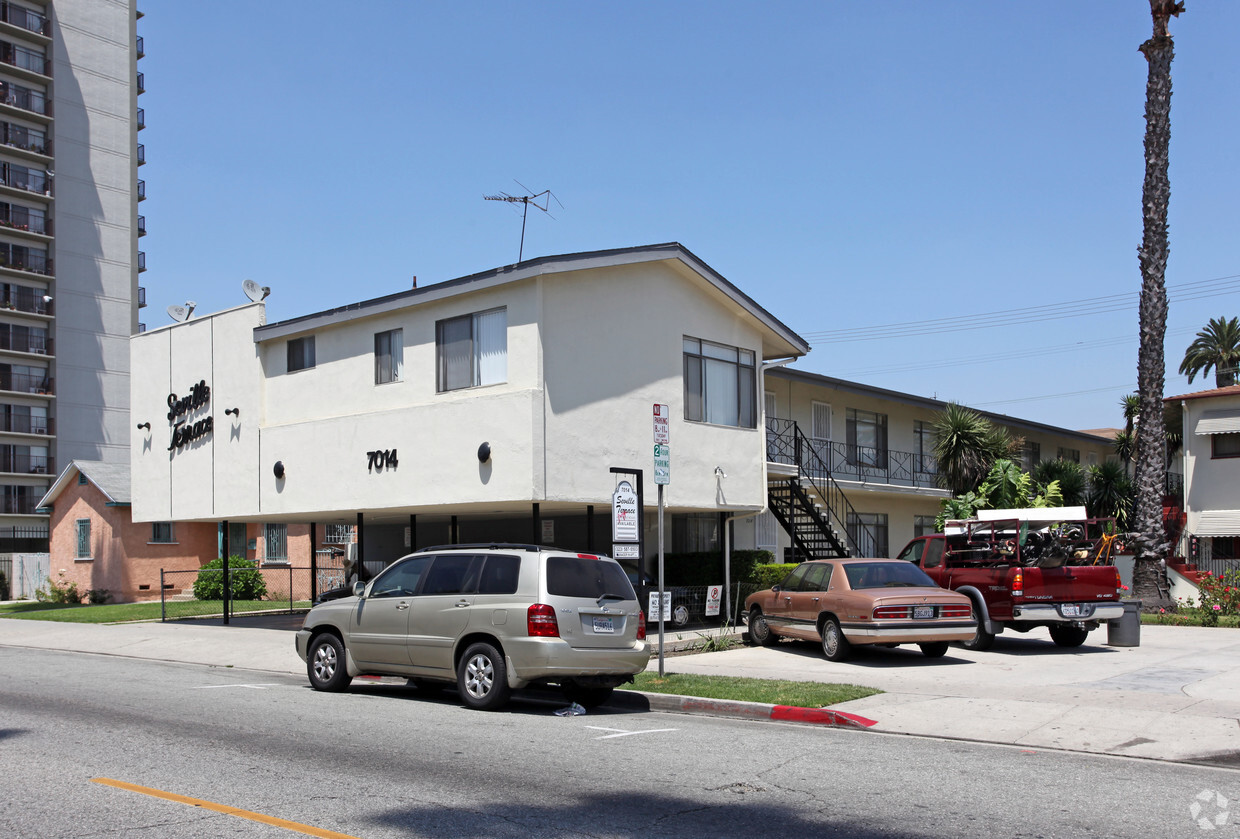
(1175, 697)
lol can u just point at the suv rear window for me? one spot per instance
(571, 576)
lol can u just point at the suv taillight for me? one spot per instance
(540, 622)
(641, 625)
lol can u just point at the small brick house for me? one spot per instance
(96, 544)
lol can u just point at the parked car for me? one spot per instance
(846, 602)
(685, 602)
(491, 618)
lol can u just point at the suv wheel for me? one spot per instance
(325, 664)
(482, 678)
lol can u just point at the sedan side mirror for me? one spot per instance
(777, 588)
(359, 588)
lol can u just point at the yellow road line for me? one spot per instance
(226, 810)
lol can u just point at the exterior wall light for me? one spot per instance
(484, 452)
(236, 412)
(143, 425)
(278, 469)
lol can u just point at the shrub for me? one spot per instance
(58, 591)
(98, 596)
(1219, 594)
(4, 586)
(245, 582)
(705, 568)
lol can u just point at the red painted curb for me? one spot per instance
(821, 716)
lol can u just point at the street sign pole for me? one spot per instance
(662, 477)
(661, 644)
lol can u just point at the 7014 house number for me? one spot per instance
(381, 459)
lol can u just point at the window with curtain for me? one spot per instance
(301, 353)
(389, 355)
(472, 350)
(720, 384)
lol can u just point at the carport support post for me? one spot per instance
(589, 528)
(536, 533)
(224, 555)
(413, 532)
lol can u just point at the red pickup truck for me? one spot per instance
(1027, 568)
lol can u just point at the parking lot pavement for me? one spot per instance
(1175, 697)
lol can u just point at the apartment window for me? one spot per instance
(83, 538)
(867, 438)
(720, 384)
(301, 353)
(923, 445)
(766, 533)
(389, 355)
(695, 532)
(869, 533)
(1030, 455)
(1073, 455)
(277, 543)
(161, 533)
(1225, 445)
(23, 218)
(472, 350)
(923, 526)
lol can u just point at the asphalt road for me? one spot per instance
(387, 761)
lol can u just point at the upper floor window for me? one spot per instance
(301, 353)
(1225, 445)
(923, 442)
(867, 438)
(720, 384)
(389, 355)
(472, 350)
(1030, 455)
(1073, 455)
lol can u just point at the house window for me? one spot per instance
(923, 444)
(338, 534)
(694, 532)
(301, 353)
(1073, 455)
(83, 538)
(1030, 455)
(472, 350)
(161, 533)
(389, 355)
(277, 543)
(869, 533)
(1225, 445)
(867, 439)
(720, 384)
(923, 526)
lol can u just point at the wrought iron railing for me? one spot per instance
(786, 444)
(18, 424)
(874, 465)
(29, 20)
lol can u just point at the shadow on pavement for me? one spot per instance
(284, 620)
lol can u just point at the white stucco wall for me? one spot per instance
(1211, 485)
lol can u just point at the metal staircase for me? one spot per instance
(811, 507)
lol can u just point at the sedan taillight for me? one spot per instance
(960, 611)
(540, 622)
(889, 612)
(641, 625)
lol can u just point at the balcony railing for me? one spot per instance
(141, 154)
(21, 218)
(27, 425)
(141, 297)
(25, 18)
(21, 137)
(25, 59)
(141, 327)
(26, 464)
(19, 504)
(141, 119)
(141, 225)
(25, 383)
(31, 180)
(24, 259)
(16, 96)
(141, 83)
(30, 301)
(141, 190)
(859, 463)
(37, 344)
(141, 261)
(141, 47)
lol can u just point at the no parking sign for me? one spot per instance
(714, 594)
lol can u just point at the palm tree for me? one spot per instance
(966, 446)
(1126, 441)
(1151, 464)
(1217, 346)
(1071, 479)
(1110, 493)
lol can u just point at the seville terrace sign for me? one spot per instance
(183, 432)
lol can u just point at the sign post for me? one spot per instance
(662, 477)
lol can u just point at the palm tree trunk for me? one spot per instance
(1149, 575)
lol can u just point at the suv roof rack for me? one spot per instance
(512, 546)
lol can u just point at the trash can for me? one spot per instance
(1125, 631)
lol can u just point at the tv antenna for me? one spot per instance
(526, 200)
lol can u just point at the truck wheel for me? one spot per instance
(759, 632)
(934, 649)
(1069, 636)
(834, 645)
(981, 639)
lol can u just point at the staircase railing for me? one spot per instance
(786, 444)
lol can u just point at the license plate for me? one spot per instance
(1070, 611)
(922, 613)
(604, 625)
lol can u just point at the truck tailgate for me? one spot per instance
(1071, 584)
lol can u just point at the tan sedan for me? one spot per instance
(842, 602)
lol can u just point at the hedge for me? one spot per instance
(705, 568)
(244, 580)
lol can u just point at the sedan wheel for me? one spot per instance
(482, 678)
(934, 649)
(680, 615)
(834, 645)
(325, 664)
(759, 632)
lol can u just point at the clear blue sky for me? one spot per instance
(848, 165)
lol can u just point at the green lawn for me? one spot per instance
(126, 612)
(772, 691)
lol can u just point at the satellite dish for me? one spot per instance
(182, 313)
(254, 291)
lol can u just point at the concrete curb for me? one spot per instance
(674, 703)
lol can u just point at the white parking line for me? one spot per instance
(620, 732)
(262, 686)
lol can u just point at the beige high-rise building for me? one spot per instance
(69, 258)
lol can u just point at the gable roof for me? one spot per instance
(533, 268)
(111, 479)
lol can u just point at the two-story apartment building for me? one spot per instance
(1211, 466)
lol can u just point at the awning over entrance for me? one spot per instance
(1219, 422)
(1218, 523)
